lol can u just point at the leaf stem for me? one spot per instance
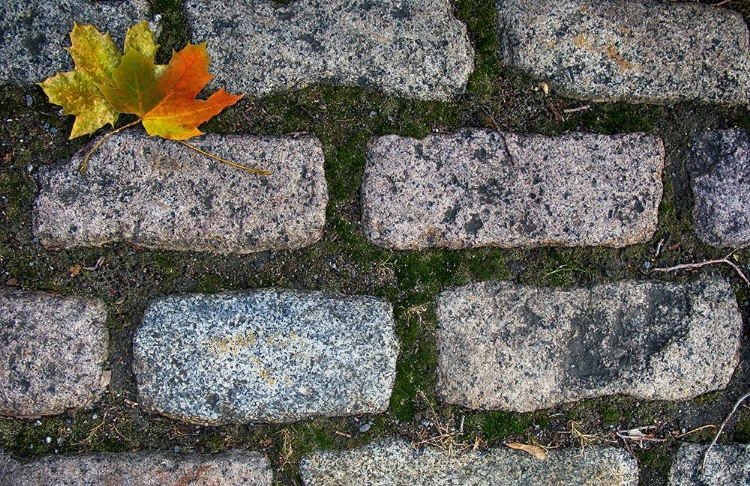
(85, 163)
(228, 162)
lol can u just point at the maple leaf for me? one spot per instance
(105, 84)
(166, 104)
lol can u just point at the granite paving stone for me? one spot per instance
(476, 188)
(719, 166)
(725, 465)
(157, 193)
(396, 462)
(145, 469)
(632, 50)
(520, 348)
(33, 34)
(407, 48)
(267, 355)
(53, 352)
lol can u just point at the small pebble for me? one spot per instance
(365, 427)
(29, 100)
(176, 449)
(48, 440)
(647, 265)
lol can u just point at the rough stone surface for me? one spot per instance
(726, 464)
(518, 348)
(269, 355)
(396, 462)
(146, 469)
(52, 353)
(407, 48)
(634, 50)
(157, 193)
(34, 34)
(479, 188)
(719, 166)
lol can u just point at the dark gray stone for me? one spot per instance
(34, 34)
(519, 348)
(719, 166)
(52, 353)
(478, 188)
(725, 465)
(408, 48)
(146, 469)
(157, 193)
(396, 462)
(268, 355)
(633, 50)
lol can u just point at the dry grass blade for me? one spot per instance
(445, 436)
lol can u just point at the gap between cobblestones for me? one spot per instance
(32, 133)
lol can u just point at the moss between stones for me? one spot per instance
(344, 119)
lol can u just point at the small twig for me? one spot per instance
(579, 108)
(723, 424)
(85, 163)
(228, 162)
(707, 426)
(342, 434)
(98, 264)
(685, 266)
(658, 248)
(723, 2)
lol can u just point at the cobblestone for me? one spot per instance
(53, 352)
(268, 355)
(412, 49)
(519, 348)
(632, 50)
(157, 193)
(478, 188)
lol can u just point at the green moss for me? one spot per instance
(210, 283)
(495, 426)
(174, 30)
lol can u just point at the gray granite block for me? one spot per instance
(267, 355)
(396, 462)
(478, 188)
(719, 166)
(408, 48)
(52, 353)
(145, 469)
(633, 50)
(158, 193)
(34, 34)
(725, 465)
(513, 347)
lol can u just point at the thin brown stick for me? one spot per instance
(228, 162)
(723, 424)
(702, 427)
(85, 163)
(685, 266)
(576, 109)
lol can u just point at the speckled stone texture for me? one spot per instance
(633, 50)
(396, 462)
(268, 355)
(52, 353)
(719, 166)
(407, 48)
(33, 34)
(518, 348)
(478, 188)
(157, 193)
(146, 469)
(726, 464)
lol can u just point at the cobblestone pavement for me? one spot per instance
(457, 271)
